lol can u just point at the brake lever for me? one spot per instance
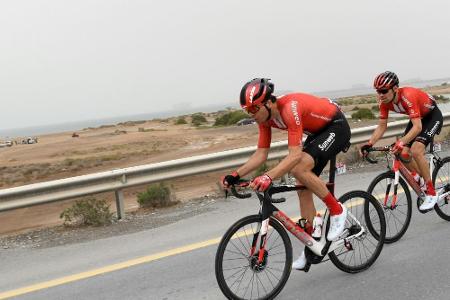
(368, 158)
(278, 200)
(239, 195)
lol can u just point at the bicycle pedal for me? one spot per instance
(348, 245)
(306, 268)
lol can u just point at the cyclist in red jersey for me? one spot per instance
(425, 121)
(297, 113)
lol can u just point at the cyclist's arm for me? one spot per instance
(295, 134)
(379, 131)
(413, 132)
(290, 161)
(257, 159)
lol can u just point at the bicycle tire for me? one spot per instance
(398, 218)
(360, 246)
(222, 253)
(442, 208)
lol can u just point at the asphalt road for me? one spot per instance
(177, 262)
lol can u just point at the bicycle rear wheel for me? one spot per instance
(361, 252)
(397, 217)
(441, 179)
(238, 273)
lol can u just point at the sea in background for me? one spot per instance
(77, 126)
(80, 125)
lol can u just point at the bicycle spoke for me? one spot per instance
(239, 280)
(245, 276)
(244, 269)
(249, 283)
(361, 248)
(245, 255)
(441, 177)
(398, 217)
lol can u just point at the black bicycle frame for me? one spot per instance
(268, 210)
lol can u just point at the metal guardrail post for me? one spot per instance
(120, 204)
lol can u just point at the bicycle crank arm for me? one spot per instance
(444, 195)
(347, 239)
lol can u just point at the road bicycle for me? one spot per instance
(391, 189)
(254, 257)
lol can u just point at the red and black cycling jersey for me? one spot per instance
(411, 101)
(298, 113)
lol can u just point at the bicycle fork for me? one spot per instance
(389, 185)
(398, 169)
(266, 210)
(262, 232)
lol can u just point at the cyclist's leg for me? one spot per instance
(304, 172)
(305, 197)
(306, 203)
(431, 124)
(317, 153)
(307, 209)
(407, 154)
(411, 166)
(418, 154)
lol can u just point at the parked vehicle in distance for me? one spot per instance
(29, 140)
(247, 121)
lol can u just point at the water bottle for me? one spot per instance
(317, 227)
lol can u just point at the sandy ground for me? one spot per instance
(60, 155)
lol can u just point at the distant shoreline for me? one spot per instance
(80, 125)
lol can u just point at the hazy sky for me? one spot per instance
(73, 60)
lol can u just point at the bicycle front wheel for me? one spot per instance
(361, 252)
(398, 215)
(239, 274)
(441, 180)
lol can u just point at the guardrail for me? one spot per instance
(119, 179)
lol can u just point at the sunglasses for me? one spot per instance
(253, 109)
(383, 91)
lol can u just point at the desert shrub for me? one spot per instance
(68, 162)
(111, 157)
(90, 211)
(370, 99)
(117, 132)
(156, 195)
(375, 108)
(132, 123)
(180, 121)
(363, 113)
(344, 102)
(105, 126)
(441, 98)
(354, 100)
(230, 118)
(198, 119)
